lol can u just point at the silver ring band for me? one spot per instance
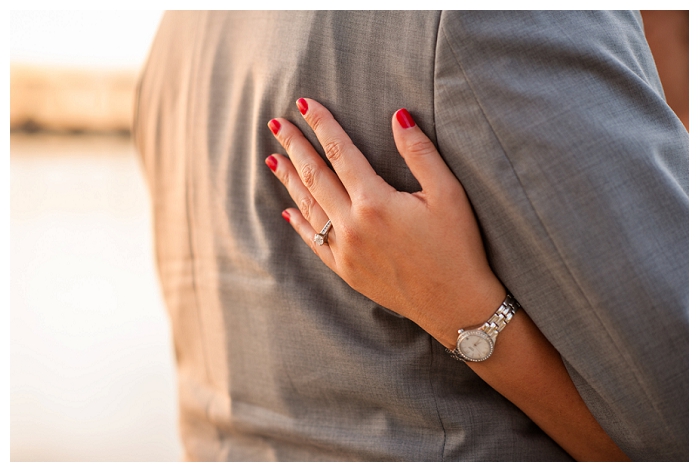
(322, 237)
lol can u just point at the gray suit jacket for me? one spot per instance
(555, 123)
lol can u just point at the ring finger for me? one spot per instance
(310, 217)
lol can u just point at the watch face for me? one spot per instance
(475, 345)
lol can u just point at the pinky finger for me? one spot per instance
(307, 233)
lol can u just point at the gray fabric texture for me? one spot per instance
(556, 125)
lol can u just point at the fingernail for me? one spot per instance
(286, 215)
(302, 105)
(404, 118)
(274, 126)
(271, 162)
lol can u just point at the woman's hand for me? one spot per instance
(421, 255)
(418, 254)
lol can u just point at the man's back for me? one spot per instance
(277, 357)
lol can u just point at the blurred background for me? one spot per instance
(92, 374)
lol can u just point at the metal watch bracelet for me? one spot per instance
(495, 324)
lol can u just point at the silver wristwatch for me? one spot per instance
(476, 345)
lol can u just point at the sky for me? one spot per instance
(105, 39)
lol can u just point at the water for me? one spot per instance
(92, 368)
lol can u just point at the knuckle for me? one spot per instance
(309, 174)
(334, 150)
(420, 147)
(306, 205)
(352, 237)
(366, 208)
(314, 119)
(283, 176)
(349, 263)
(285, 139)
(346, 262)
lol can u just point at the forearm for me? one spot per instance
(527, 370)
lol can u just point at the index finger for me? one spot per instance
(350, 165)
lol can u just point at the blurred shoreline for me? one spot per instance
(71, 99)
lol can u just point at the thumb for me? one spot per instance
(420, 154)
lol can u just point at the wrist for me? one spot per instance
(469, 311)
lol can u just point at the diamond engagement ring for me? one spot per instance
(322, 237)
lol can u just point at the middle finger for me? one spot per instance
(316, 176)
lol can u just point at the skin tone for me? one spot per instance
(383, 245)
(667, 32)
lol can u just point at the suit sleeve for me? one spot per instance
(557, 127)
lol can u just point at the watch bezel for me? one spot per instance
(481, 334)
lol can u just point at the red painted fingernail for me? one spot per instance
(302, 105)
(271, 162)
(404, 118)
(274, 126)
(286, 215)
